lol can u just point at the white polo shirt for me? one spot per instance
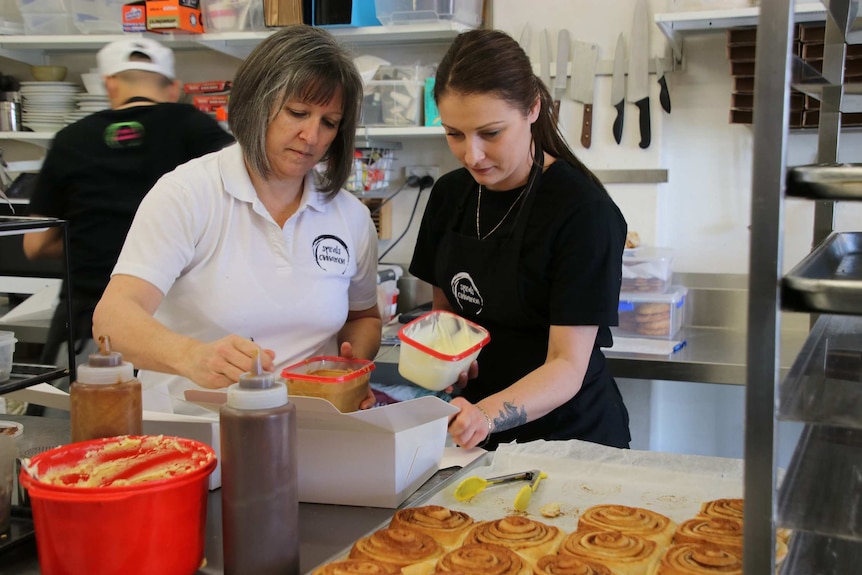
(203, 237)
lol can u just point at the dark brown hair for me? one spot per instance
(492, 62)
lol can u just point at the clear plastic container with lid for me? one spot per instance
(106, 399)
(7, 351)
(655, 315)
(438, 346)
(341, 381)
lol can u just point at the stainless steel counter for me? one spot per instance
(324, 530)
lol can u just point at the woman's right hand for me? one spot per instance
(220, 363)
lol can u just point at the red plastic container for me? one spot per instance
(341, 381)
(154, 526)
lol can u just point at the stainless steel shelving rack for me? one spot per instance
(817, 496)
(25, 374)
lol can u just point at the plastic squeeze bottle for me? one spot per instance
(260, 502)
(105, 401)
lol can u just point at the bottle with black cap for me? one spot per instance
(105, 401)
(260, 503)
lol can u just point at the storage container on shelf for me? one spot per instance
(394, 12)
(647, 270)
(98, 16)
(232, 15)
(39, 23)
(656, 315)
(43, 6)
(395, 97)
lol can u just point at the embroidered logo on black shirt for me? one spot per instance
(466, 293)
(331, 254)
(124, 135)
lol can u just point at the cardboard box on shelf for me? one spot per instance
(376, 457)
(743, 84)
(213, 86)
(811, 33)
(742, 69)
(742, 36)
(741, 101)
(174, 16)
(283, 12)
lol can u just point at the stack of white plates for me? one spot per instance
(45, 104)
(86, 105)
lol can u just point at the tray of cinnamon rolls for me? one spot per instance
(586, 518)
(609, 540)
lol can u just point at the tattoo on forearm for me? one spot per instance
(510, 416)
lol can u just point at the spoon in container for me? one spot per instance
(472, 486)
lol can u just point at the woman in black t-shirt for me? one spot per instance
(533, 237)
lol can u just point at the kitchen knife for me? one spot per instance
(584, 59)
(663, 95)
(618, 87)
(545, 59)
(562, 76)
(637, 88)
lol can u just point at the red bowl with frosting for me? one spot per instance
(127, 504)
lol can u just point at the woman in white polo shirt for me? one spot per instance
(251, 247)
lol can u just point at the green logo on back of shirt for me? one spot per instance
(124, 135)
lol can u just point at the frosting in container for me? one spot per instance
(129, 460)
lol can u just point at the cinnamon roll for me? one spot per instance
(446, 526)
(569, 565)
(724, 532)
(355, 567)
(631, 520)
(482, 559)
(623, 553)
(397, 548)
(723, 508)
(698, 559)
(531, 539)
(733, 509)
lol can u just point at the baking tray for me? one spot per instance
(825, 463)
(826, 181)
(811, 553)
(21, 529)
(829, 279)
(824, 384)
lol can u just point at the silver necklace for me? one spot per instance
(506, 215)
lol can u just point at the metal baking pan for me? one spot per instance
(826, 181)
(825, 463)
(829, 279)
(824, 385)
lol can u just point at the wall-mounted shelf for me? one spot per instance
(675, 25)
(33, 49)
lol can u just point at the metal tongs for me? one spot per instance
(472, 486)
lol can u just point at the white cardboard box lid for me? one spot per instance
(314, 412)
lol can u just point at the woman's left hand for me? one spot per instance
(469, 427)
(346, 352)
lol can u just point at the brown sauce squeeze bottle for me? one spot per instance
(259, 485)
(105, 401)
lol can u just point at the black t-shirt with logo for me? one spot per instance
(570, 260)
(98, 170)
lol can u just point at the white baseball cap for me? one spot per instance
(115, 57)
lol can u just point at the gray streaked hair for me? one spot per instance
(303, 63)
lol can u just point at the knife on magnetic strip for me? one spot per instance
(618, 87)
(561, 79)
(584, 58)
(637, 88)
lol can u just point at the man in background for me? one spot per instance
(98, 170)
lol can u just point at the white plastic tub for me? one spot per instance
(7, 350)
(438, 346)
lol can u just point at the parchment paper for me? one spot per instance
(582, 474)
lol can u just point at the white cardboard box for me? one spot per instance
(376, 457)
